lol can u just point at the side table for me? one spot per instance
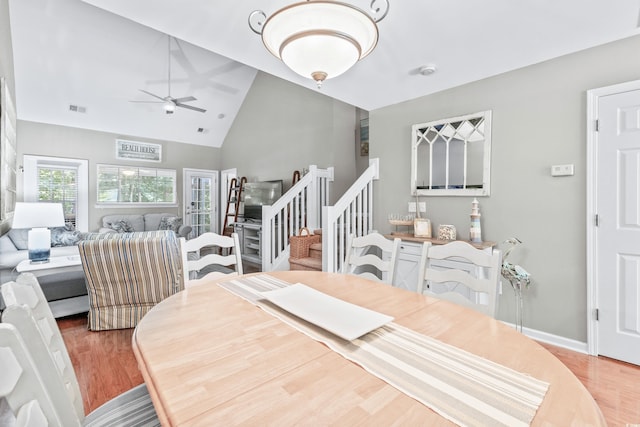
(69, 269)
(54, 262)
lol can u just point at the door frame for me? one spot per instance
(214, 198)
(593, 97)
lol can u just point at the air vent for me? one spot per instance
(77, 108)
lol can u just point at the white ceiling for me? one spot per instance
(98, 54)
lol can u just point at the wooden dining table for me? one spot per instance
(209, 358)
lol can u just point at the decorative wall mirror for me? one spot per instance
(452, 157)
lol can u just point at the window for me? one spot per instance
(134, 185)
(59, 185)
(59, 180)
(7, 153)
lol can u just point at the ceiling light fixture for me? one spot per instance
(320, 39)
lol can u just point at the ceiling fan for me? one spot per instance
(170, 103)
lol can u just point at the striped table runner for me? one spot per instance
(460, 386)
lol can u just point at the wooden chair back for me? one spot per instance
(27, 309)
(210, 255)
(372, 256)
(29, 402)
(460, 273)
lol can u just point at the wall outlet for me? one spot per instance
(423, 206)
(412, 207)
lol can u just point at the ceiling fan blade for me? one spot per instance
(148, 102)
(152, 94)
(189, 107)
(185, 99)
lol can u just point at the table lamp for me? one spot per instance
(38, 216)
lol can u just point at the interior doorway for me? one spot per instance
(201, 207)
(613, 231)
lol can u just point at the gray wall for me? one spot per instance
(539, 119)
(6, 64)
(99, 147)
(282, 127)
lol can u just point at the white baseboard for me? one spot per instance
(558, 341)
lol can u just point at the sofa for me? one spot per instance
(122, 223)
(65, 290)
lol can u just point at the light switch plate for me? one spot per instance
(562, 170)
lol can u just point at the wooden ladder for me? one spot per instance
(234, 197)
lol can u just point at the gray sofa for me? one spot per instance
(65, 290)
(120, 223)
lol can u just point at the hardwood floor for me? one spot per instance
(105, 367)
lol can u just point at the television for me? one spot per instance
(257, 194)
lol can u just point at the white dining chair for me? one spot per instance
(210, 255)
(26, 401)
(372, 256)
(460, 273)
(28, 312)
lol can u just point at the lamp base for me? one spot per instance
(39, 245)
(38, 259)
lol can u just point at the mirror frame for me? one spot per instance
(416, 139)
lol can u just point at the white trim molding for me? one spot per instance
(556, 340)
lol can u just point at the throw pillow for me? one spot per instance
(170, 223)
(121, 226)
(65, 236)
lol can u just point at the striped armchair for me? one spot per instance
(127, 274)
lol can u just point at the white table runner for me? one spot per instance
(460, 386)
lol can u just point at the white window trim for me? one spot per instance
(30, 183)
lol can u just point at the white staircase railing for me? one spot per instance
(299, 207)
(352, 214)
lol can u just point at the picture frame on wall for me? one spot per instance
(136, 150)
(364, 137)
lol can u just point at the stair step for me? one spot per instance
(307, 264)
(315, 251)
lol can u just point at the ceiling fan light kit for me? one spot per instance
(168, 102)
(169, 107)
(320, 39)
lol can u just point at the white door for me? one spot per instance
(201, 200)
(617, 235)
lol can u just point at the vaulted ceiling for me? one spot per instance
(97, 55)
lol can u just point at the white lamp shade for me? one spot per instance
(31, 215)
(323, 37)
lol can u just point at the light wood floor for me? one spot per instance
(106, 367)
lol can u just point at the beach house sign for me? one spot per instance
(134, 150)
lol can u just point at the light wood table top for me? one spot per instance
(210, 358)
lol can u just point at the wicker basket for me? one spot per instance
(299, 245)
